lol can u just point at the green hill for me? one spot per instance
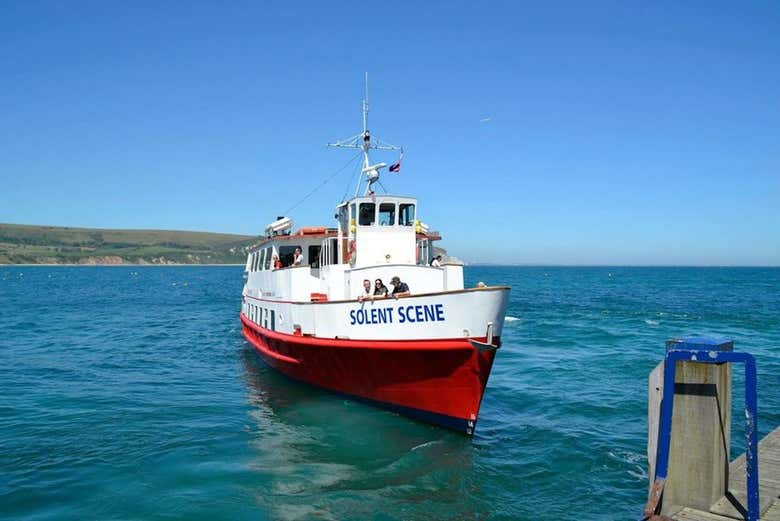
(24, 244)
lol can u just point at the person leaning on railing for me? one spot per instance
(380, 290)
(400, 289)
(366, 293)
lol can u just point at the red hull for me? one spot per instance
(439, 381)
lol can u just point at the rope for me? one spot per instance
(337, 172)
(350, 182)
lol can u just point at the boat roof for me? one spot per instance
(330, 232)
(378, 197)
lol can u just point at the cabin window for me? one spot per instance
(406, 215)
(254, 261)
(268, 255)
(261, 264)
(314, 256)
(367, 214)
(387, 214)
(287, 255)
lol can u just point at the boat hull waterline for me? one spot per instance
(439, 381)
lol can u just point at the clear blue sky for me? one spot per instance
(618, 133)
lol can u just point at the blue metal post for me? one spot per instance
(751, 437)
(708, 351)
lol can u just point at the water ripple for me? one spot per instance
(129, 393)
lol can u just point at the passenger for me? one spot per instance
(277, 263)
(436, 262)
(380, 290)
(366, 293)
(400, 289)
(298, 259)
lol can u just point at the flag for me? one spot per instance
(395, 168)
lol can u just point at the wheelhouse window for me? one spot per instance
(268, 255)
(367, 214)
(406, 214)
(287, 255)
(387, 214)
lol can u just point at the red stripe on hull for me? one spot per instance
(443, 377)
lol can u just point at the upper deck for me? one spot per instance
(372, 230)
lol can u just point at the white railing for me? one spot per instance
(331, 251)
(423, 252)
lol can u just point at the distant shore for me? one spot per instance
(66, 246)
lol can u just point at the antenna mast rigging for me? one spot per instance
(366, 142)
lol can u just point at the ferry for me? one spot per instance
(314, 309)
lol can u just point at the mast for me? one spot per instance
(365, 141)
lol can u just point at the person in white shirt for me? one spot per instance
(298, 259)
(436, 262)
(367, 293)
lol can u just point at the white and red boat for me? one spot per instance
(427, 354)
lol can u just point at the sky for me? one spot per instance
(575, 133)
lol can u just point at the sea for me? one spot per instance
(129, 393)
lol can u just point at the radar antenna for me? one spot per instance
(365, 141)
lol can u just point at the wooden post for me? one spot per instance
(701, 434)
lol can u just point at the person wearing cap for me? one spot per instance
(436, 262)
(400, 289)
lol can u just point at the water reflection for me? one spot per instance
(325, 456)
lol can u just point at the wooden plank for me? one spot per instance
(655, 386)
(773, 514)
(691, 514)
(768, 475)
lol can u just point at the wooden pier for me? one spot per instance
(769, 487)
(689, 439)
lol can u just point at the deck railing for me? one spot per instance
(332, 251)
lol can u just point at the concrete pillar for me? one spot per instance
(701, 432)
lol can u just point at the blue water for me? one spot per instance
(129, 393)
